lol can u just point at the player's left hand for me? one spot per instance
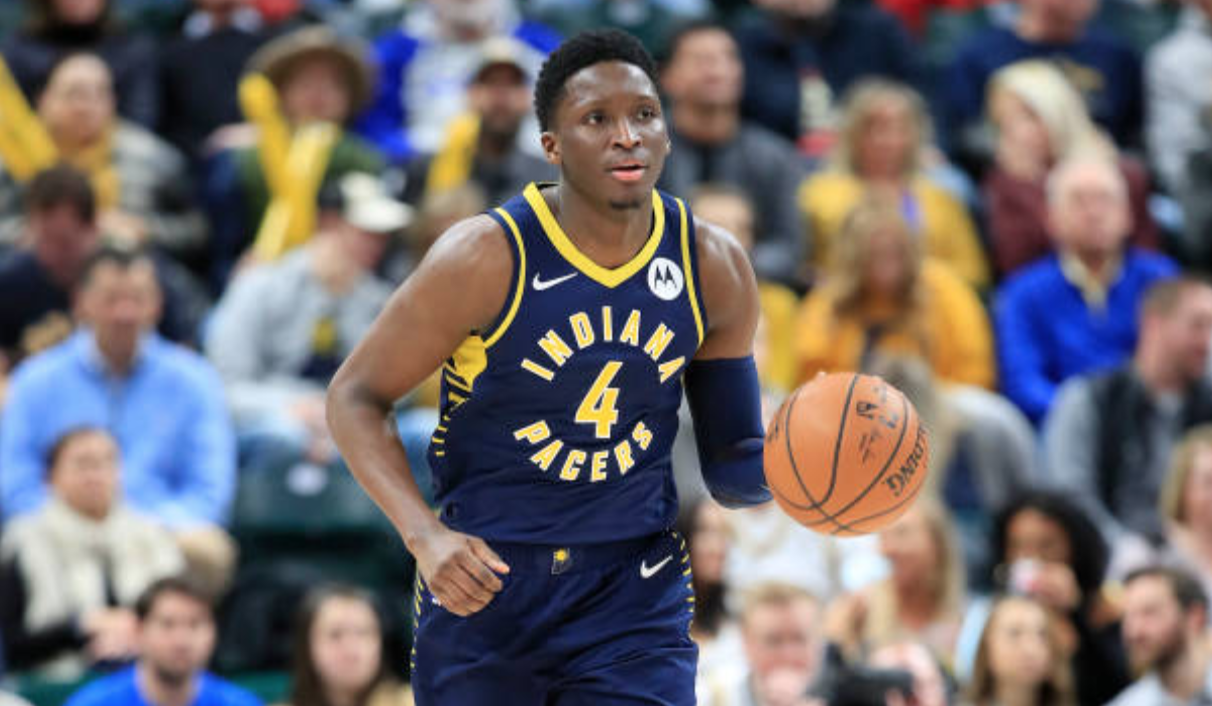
(460, 570)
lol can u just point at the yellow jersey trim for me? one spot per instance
(610, 277)
(521, 286)
(686, 267)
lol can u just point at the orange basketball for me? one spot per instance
(846, 454)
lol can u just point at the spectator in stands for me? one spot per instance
(799, 56)
(1104, 68)
(1045, 548)
(1042, 121)
(1109, 437)
(1186, 504)
(283, 327)
(176, 634)
(163, 403)
(319, 79)
(200, 71)
(338, 652)
(730, 207)
(708, 534)
(780, 627)
(1021, 659)
(1075, 311)
(929, 680)
(70, 572)
(885, 135)
(703, 78)
(37, 282)
(484, 144)
(977, 463)
(883, 297)
(922, 599)
(57, 28)
(1178, 96)
(653, 22)
(424, 69)
(1165, 624)
(142, 189)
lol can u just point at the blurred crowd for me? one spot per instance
(1001, 207)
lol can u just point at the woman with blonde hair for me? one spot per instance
(884, 139)
(923, 597)
(883, 297)
(1020, 660)
(1041, 121)
(1186, 503)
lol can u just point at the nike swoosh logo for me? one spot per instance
(647, 572)
(540, 285)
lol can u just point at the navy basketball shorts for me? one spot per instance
(573, 626)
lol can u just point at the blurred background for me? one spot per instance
(1004, 208)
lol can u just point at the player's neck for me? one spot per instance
(608, 236)
(706, 124)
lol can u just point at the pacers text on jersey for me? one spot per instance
(598, 409)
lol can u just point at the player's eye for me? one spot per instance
(594, 118)
(648, 112)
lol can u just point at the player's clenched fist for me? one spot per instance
(460, 570)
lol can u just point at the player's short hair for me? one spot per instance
(1186, 588)
(584, 50)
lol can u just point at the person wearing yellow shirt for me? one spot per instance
(883, 297)
(884, 139)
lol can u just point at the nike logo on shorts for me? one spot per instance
(540, 285)
(647, 572)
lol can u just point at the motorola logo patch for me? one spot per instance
(665, 279)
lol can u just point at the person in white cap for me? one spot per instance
(282, 328)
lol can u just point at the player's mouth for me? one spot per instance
(629, 171)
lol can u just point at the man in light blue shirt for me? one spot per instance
(176, 639)
(162, 402)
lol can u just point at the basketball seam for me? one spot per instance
(841, 434)
(888, 463)
(795, 468)
(893, 508)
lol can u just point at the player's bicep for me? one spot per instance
(730, 294)
(460, 286)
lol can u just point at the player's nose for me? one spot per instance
(626, 135)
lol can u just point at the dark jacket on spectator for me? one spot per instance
(199, 77)
(1105, 70)
(850, 43)
(768, 169)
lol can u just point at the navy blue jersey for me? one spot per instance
(557, 421)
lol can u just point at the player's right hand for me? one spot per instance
(460, 570)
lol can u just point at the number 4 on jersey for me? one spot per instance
(599, 405)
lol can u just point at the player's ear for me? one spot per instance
(551, 148)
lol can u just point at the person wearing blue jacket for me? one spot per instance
(1075, 311)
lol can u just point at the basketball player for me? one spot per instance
(564, 323)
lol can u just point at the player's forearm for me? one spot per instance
(360, 426)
